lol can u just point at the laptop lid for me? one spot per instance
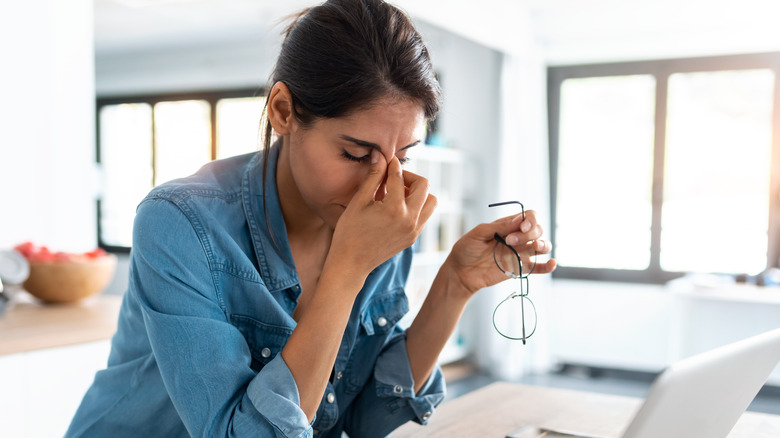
(704, 395)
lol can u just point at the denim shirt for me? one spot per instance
(208, 309)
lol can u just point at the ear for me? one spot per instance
(280, 109)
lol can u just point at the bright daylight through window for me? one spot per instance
(144, 142)
(662, 168)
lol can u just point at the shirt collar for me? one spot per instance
(266, 223)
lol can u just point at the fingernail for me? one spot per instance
(512, 240)
(374, 156)
(525, 226)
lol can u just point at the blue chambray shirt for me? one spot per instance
(209, 308)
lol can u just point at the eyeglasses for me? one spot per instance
(509, 262)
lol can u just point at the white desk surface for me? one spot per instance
(502, 408)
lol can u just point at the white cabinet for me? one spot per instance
(649, 327)
(41, 390)
(49, 355)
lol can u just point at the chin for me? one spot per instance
(332, 216)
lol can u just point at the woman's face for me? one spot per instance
(330, 159)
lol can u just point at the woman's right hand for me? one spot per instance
(374, 228)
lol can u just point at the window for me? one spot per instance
(145, 141)
(661, 168)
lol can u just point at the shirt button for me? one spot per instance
(331, 397)
(398, 389)
(265, 352)
(339, 375)
(426, 416)
(381, 321)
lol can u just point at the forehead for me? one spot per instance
(384, 116)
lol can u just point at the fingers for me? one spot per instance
(545, 267)
(523, 223)
(411, 189)
(376, 175)
(418, 190)
(395, 179)
(537, 246)
(514, 229)
(525, 236)
(402, 188)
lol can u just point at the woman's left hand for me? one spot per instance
(471, 257)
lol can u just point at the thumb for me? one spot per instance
(376, 175)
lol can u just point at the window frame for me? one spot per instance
(661, 69)
(212, 97)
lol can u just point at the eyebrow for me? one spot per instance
(368, 144)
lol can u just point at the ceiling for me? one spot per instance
(129, 25)
(507, 25)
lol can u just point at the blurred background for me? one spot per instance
(642, 133)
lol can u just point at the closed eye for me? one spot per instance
(364, 158)
(351, 157)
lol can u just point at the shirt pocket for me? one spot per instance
(265, 341)
(383, 312)
(377, 321)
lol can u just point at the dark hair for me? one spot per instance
(344, 55)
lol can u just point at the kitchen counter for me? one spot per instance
(30, 325)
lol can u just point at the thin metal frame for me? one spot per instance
(524, 283)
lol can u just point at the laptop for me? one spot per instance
(700, 396)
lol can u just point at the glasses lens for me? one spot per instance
(507, 260)
(515, 317)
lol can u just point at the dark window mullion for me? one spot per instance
(555, 81)
(773, 244)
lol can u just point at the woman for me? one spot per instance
(265, 290)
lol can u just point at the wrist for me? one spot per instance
(343, 272)
(450, 283)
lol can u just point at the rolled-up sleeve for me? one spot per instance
(274, 394)
(204, 361)
(389, 398)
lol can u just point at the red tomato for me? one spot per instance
(35, 253)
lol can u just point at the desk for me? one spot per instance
(30, 325)
(502, 408)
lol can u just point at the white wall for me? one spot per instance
(230, 64)
(573, 32)
(47, 176)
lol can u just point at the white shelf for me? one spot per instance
(442, 167)
(429, 258)
(437, 154)
(741, 293)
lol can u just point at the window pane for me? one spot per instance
(182, 132)
(238, 125)
(605, 172)
(716, 192)
(126, 158)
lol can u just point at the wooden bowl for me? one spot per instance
(65, 281)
